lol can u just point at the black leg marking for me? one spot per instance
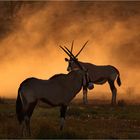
(114, 92)
(85, 101)
(27, 123)
(27, 115)
(63, 110)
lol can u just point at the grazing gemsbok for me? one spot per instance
(98, 74)
(59, 90)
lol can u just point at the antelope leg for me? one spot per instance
(63, 110)
(85, 101)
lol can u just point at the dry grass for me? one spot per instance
(92, 121)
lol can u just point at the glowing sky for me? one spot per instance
(32, 31)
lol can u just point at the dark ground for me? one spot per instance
(96, 120)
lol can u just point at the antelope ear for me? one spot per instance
(66, 59)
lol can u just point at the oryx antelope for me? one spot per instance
(99, 74)
(59, 90)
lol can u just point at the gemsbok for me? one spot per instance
(99, 74)
(59, 90)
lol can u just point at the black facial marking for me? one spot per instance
(66, 59)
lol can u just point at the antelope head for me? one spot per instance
(71, 64)
(86, 79)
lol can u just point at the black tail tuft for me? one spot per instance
(19, 110)
(119, 80)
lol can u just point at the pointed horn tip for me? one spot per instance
(72, 45)
(81, 48)
(65, 47)
(66, 50)
(61, 47)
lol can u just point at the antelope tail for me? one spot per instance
(119, 80)
(118, 77)
(19, 108)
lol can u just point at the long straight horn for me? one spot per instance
(72, 45)
(81, 49)
(66, 52)
(74, 58)
(70, 52)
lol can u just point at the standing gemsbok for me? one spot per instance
(99, 74)
(59, 90)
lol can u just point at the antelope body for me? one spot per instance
(59, 90)
(99, 74)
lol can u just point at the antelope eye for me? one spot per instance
(66, 59)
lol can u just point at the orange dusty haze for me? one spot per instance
(31, 32)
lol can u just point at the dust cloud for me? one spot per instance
(31, 33)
